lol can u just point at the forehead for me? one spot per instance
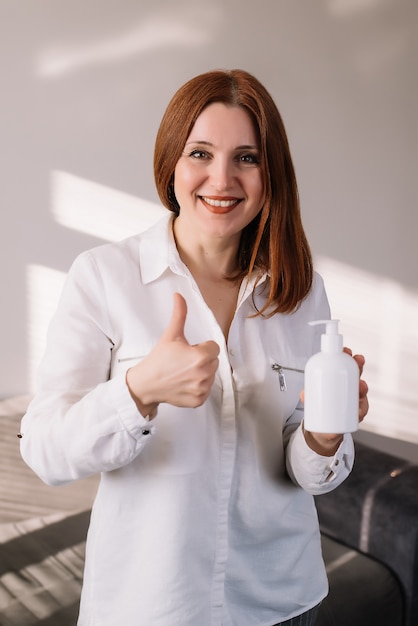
(222, 124)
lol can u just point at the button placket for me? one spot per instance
(226, 470)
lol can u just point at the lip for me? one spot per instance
(220, 204)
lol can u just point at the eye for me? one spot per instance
(249, 159)
(199, 155)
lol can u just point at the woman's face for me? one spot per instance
(217, 180)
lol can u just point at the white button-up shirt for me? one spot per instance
(203, 517)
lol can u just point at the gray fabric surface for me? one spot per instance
(376, 512)
(363, 592)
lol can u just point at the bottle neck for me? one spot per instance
(332, 343)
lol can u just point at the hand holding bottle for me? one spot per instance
(335, 397)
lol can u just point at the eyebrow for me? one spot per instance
(208, 143)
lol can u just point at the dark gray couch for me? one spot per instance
(370, 543)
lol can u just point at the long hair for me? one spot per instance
(274, 241)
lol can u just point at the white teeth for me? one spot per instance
(220, 203)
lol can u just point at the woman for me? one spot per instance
(161, 373)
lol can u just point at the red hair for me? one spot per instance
(275, 241)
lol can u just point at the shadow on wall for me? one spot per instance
(385, 329)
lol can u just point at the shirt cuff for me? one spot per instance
(124, 405)
(314, 472)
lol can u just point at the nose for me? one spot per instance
(221, 174)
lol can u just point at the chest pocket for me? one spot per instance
(283, 372)
(285, 381)
(127, 356)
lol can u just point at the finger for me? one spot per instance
(211, 349)
(360, 360)
(175, 328)
(363, 408)
(363, 388)
(363, 401)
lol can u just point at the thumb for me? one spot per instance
(175, 328)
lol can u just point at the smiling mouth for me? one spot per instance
(221, 203)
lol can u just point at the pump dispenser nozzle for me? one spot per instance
(331, 341)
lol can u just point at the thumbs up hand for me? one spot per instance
(174, 371)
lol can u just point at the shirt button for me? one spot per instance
(145, 431)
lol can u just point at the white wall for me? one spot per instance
(84, 84)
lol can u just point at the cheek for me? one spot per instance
(256, 188)
(185, 178)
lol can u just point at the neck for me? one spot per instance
(213, 259)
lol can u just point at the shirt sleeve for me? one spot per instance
(81, 422)
(315, 473)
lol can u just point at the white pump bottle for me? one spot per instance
(331, 386)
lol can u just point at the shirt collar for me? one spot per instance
(158, 252)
